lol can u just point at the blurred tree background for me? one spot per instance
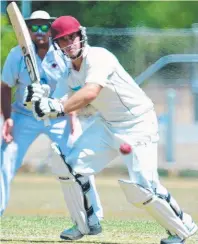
(122, 14)
(156, 14)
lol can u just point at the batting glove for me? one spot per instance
(47, 107)
(34, 93)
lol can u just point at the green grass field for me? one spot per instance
(37, 212)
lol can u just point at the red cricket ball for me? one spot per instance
(125, 148)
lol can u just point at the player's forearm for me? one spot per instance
(80, 99)
(6, 94)
(76, 102)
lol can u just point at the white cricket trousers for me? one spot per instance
(26, 130)
(100, 144)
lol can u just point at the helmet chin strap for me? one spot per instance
(79, 53)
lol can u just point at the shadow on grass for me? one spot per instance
(61, 241)
(28, 241)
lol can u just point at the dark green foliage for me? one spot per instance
(8, 39)
(157, 14)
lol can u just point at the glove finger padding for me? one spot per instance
(28, 93)
(34, 93)
(47, 107)
(37, 112)
(27, 97)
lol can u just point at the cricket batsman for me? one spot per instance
(127, 126)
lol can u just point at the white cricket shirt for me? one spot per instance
(121, 101)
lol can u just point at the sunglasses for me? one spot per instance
(43, 28)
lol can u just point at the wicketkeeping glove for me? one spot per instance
(47, 107)
(35, 92)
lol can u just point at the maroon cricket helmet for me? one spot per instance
(64, 25)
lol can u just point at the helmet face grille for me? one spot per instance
(84, 35)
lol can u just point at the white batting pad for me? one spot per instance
(135, 194)
(73, 192)
(157, 207)
(57, 165)
(75, 202)
(163, 213)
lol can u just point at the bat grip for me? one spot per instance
(47, 122)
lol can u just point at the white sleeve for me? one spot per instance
(10, 71)
(97, 75)
(99, 69)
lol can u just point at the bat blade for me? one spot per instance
(25, 42)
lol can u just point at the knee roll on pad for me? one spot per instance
(167, 213)
(135, 194)
(59, 167)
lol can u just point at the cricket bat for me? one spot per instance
(25, 42)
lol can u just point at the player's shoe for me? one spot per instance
(71, 234)
(172, 240)
(74, 233)
(190, 224)
(95, 229)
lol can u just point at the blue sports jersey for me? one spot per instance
(53, 71)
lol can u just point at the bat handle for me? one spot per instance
(47, 91)
(47, 122)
